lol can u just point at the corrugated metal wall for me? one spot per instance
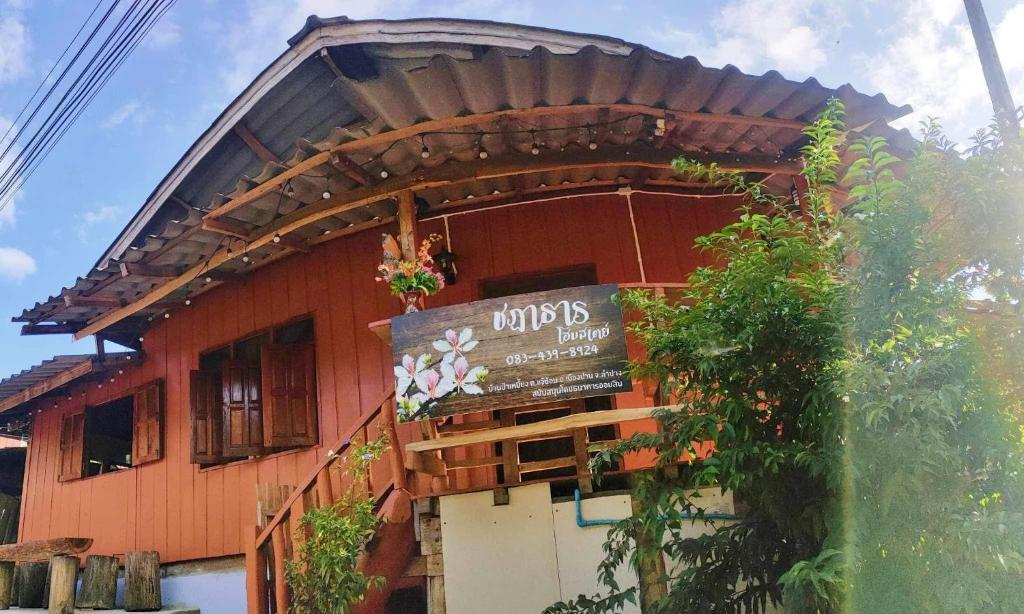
(187, 513)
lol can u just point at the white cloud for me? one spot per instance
(256, 41)
(8, 210)
(14, 43)
(132, 110)
(103, 214)
(15, 264)
(166, 33)
(933, 65)
(758, 35)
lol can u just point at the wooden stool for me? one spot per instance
(6, 584)
(63, 582)
(31, 581)
(142, 582)
(99, 583)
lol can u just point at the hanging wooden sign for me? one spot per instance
(509, 352)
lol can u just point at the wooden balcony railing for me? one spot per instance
(274, 545)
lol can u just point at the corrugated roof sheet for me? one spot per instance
(53, 367)
(389, 75)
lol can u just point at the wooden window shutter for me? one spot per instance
(147, 432)
(242, 409)
(72, 437)
(289, 390)
(206, 423)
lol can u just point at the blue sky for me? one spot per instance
(205, 51)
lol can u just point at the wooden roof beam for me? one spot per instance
(454, 123)
(254, 144)
(148, 270)
(226, 227)
(344, 165)
(51, 329)
(452, 173)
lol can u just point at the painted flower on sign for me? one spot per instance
(464, 378)
(454, 345)
(419, 385)
(406, 372)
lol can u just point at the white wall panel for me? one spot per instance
(499, 559)
(579, 548)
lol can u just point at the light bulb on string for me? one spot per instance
(383, 174)
(424, 150)
(326, 194)
(277, 238)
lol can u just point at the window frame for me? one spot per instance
(269, 333)
(77, 444)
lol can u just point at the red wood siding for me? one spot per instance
(186, 513)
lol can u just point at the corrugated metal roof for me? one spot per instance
(390, 75)
(54, 367)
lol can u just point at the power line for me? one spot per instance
(120, 42)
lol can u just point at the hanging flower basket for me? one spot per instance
(412, 280)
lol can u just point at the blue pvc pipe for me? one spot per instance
(597, 522)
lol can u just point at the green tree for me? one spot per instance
(751, 354)
(830, 362)
(932, 510)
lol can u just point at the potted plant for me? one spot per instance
(411, 280)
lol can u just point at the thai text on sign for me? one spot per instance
(509, 352)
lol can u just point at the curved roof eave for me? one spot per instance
(318, 34)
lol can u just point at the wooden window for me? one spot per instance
(72, 434)
(255, 396)
(147, 418)
(289, 381)
(205, 401)
(243, 409)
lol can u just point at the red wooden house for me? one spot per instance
(543, 160)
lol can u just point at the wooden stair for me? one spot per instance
(387, 555)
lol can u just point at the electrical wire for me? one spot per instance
(52, 142)
(122, 40)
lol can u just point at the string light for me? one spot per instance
(208, 279)
(534, 147)
(188, 302)
(245, 258)
(277, 238)
(424, 151)
(383, 174)
(326, 194)
(167, 315)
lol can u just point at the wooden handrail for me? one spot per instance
(534, 429)
(343, 444)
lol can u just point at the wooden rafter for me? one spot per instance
(454, 123)
(255, 144)
(453, 173)
(148, 270)
(344, 165)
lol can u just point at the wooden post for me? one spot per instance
(142, 582)
(6, 584)
(995, 78)
(407, 224)
(31, 580)
(281, 601)
(431, 549)
(99, 583)
(63, 580)
(255, 574)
